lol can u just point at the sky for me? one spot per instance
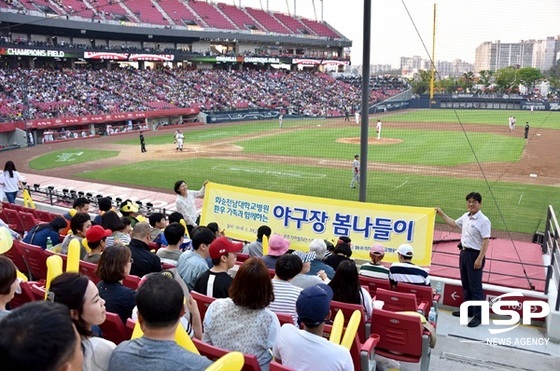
(461, 25)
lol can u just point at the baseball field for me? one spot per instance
(423, 158)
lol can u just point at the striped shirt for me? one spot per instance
(285, 297)
(374, 270)
(409, 273)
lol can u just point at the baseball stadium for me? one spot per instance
(122, 99)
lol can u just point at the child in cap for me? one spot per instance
(307, 349)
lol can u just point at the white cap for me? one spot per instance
(405, 250)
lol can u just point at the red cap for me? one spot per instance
(222, 245)
(96, 233)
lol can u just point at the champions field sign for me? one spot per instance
(301, 219)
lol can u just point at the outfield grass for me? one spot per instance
(523, 206)
(419, 147)
(547, 119)
(69, 156)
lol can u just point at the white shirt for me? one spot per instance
(356, 166)
(186, 206)
(10, 184)
(302, 351)
(474, 229)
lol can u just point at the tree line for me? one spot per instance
(505, 80)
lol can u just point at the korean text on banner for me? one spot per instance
(302, 218)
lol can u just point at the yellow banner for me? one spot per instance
(300, 219)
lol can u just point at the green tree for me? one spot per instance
(506, 79)
(486, 77)
(528, 76)
(421, 82)
(449, 84)
(553, 75)
(467, 80)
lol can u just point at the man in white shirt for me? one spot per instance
(307, 349)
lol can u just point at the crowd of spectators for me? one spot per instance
(71, 92)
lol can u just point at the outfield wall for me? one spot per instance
(482, 101)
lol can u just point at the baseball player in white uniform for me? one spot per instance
(179, 137)
(355, 171)
(378, 128)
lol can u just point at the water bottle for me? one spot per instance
(432, 315)
(438, 288)
(49, 243)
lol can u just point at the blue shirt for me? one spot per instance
(39, 238)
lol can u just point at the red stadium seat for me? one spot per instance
(38, 291)
(348, 310)
(242, 257)
(285, 318)
(399, 301)
(131, 281)
(36, 260)
(63, 256)
(43, 216)
(401, 337)
(362, 353)
(88, 269)
(202, 302)
(17, 258)
(373, 283)
(12, 218)
(424, 295)
(26, 295)
(114, 330)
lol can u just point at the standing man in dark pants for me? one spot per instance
(526, 129)
(142, 143)
(475, 235)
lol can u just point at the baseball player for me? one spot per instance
(179, 137)
(355, 171)
(378, 128)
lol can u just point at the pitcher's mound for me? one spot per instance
(372, 140)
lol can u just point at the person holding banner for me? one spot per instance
(185, 203)
(475, 236)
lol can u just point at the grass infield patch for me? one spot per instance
(69, 156)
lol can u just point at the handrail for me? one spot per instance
(549, 246)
